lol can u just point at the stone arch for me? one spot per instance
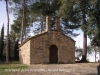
(53, 54)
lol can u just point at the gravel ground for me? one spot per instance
(60, 69)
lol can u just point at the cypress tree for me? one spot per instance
(16, 52)
(2, 43)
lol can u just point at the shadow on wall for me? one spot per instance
(20, 59)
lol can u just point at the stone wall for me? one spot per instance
(35, 50)
(67, 50)
(24, 53)
(40, 48)
(39, 52)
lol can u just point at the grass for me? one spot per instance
(7, 69)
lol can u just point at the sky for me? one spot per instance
(3, 16)
(3, 20)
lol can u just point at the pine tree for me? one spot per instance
(94, 24)
(75, 12)
(83, 7)
(24, 19)
(70, 17)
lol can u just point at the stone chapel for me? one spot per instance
(49, 47)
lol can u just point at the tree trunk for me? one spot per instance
(9, 50)
(22, 27)
(84, 47)
(95, 55)
(99, 54)
(7, 47)
(23, 16)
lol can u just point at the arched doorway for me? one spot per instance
(53, 54)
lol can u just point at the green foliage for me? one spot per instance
(16, 51)
(66, 7)
(87, 60)
(73, 13)
(17, 9)
(70, 17)
(39, 11)
(16, 27)
(94, 18)
(45, 7)
(36, 9)
(2, 43)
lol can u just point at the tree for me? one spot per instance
(16, 52)
(94, 24)
(51, 8)
(93, 50)
(7, 48)
(45, 7)
(22, 25)
(12, 36)
(41, 9)
(23, 20)
(36, 10)
(84, 6)
(2, 43)
(70, 17)
(76, 13)
(91, 24)
(16, 28)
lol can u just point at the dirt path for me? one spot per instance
(61, 69)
